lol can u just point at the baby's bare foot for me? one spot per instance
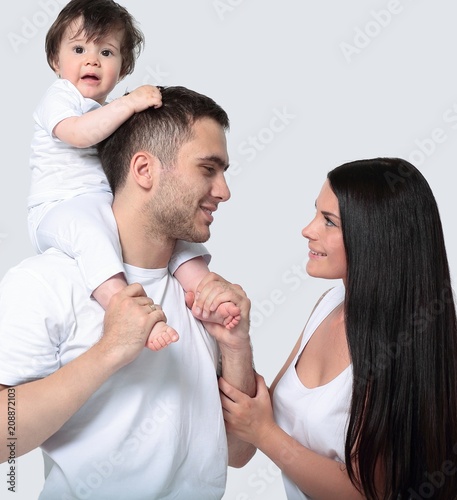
(226, 314)
(161, 336)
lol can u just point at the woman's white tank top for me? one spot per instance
(317, 417)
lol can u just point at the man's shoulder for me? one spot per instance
(50, 266)
(43, 260)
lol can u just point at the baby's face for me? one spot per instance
(93, 67)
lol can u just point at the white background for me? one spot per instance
(308, 85)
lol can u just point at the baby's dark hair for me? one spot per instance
(99, 18)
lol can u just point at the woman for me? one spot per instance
(366, 404)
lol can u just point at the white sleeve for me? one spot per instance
(184, 251)
(61, 101)
(29, 332)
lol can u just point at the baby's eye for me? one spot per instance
(106, 52)
(79, 50)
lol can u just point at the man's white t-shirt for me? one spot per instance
(155, 429)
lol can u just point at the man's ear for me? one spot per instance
(144, 167)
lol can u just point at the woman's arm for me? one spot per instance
(251, 419)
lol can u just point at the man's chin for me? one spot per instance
(203, 239)
(197, 237)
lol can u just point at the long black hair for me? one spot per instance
(401, 330)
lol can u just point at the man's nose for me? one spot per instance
(221, 189)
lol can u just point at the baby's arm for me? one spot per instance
(190, 274)
(95, 126)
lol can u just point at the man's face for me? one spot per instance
(190, 191)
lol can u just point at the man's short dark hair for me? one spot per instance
(160, 131)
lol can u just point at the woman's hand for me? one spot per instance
(250, 419)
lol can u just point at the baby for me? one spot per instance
(91, 46)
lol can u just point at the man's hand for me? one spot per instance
(128, 321)
(249, 418)
(211, 293)
(45, 405)
(235, 347)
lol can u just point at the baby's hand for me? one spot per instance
(144, 97)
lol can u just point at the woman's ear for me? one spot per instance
(143, 168)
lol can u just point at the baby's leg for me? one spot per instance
(189, 274)
(161, 336)
(103, 293)
(84, 228)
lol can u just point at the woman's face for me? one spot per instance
(327, 256)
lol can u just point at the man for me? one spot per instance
(114, 419)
